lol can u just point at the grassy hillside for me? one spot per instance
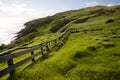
(91, 54)
(60, 21)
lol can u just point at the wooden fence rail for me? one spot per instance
(8, 56)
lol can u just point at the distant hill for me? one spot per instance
(60, 21)
(93, 53)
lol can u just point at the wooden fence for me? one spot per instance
(8, 56)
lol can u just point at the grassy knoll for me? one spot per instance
(92, 54)
(34, 41)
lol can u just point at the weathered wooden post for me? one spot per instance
(41, 48)
(47, 47)
(10, 63)
(32, 54)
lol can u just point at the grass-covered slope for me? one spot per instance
(60, 21)
(91, 54)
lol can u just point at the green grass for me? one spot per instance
(34, 41)
(88, 56)
(42, 39)
(91, 54)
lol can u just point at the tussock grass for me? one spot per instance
(91, 54)
(81, 58)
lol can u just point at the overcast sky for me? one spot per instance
(14, 13)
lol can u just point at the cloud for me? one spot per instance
(21, 10)
(1, 3)
(89, 4)
(13, 16)
(110, 4)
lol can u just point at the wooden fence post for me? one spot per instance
(41, 48)
(33, 59)
(47, 47)
(10, 63)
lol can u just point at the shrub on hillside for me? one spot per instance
(57, 24)
(23, 40)
(34, 25)
(80, 54)
(2, 46)
(81, 20)
(110, 21)
(109, 45)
